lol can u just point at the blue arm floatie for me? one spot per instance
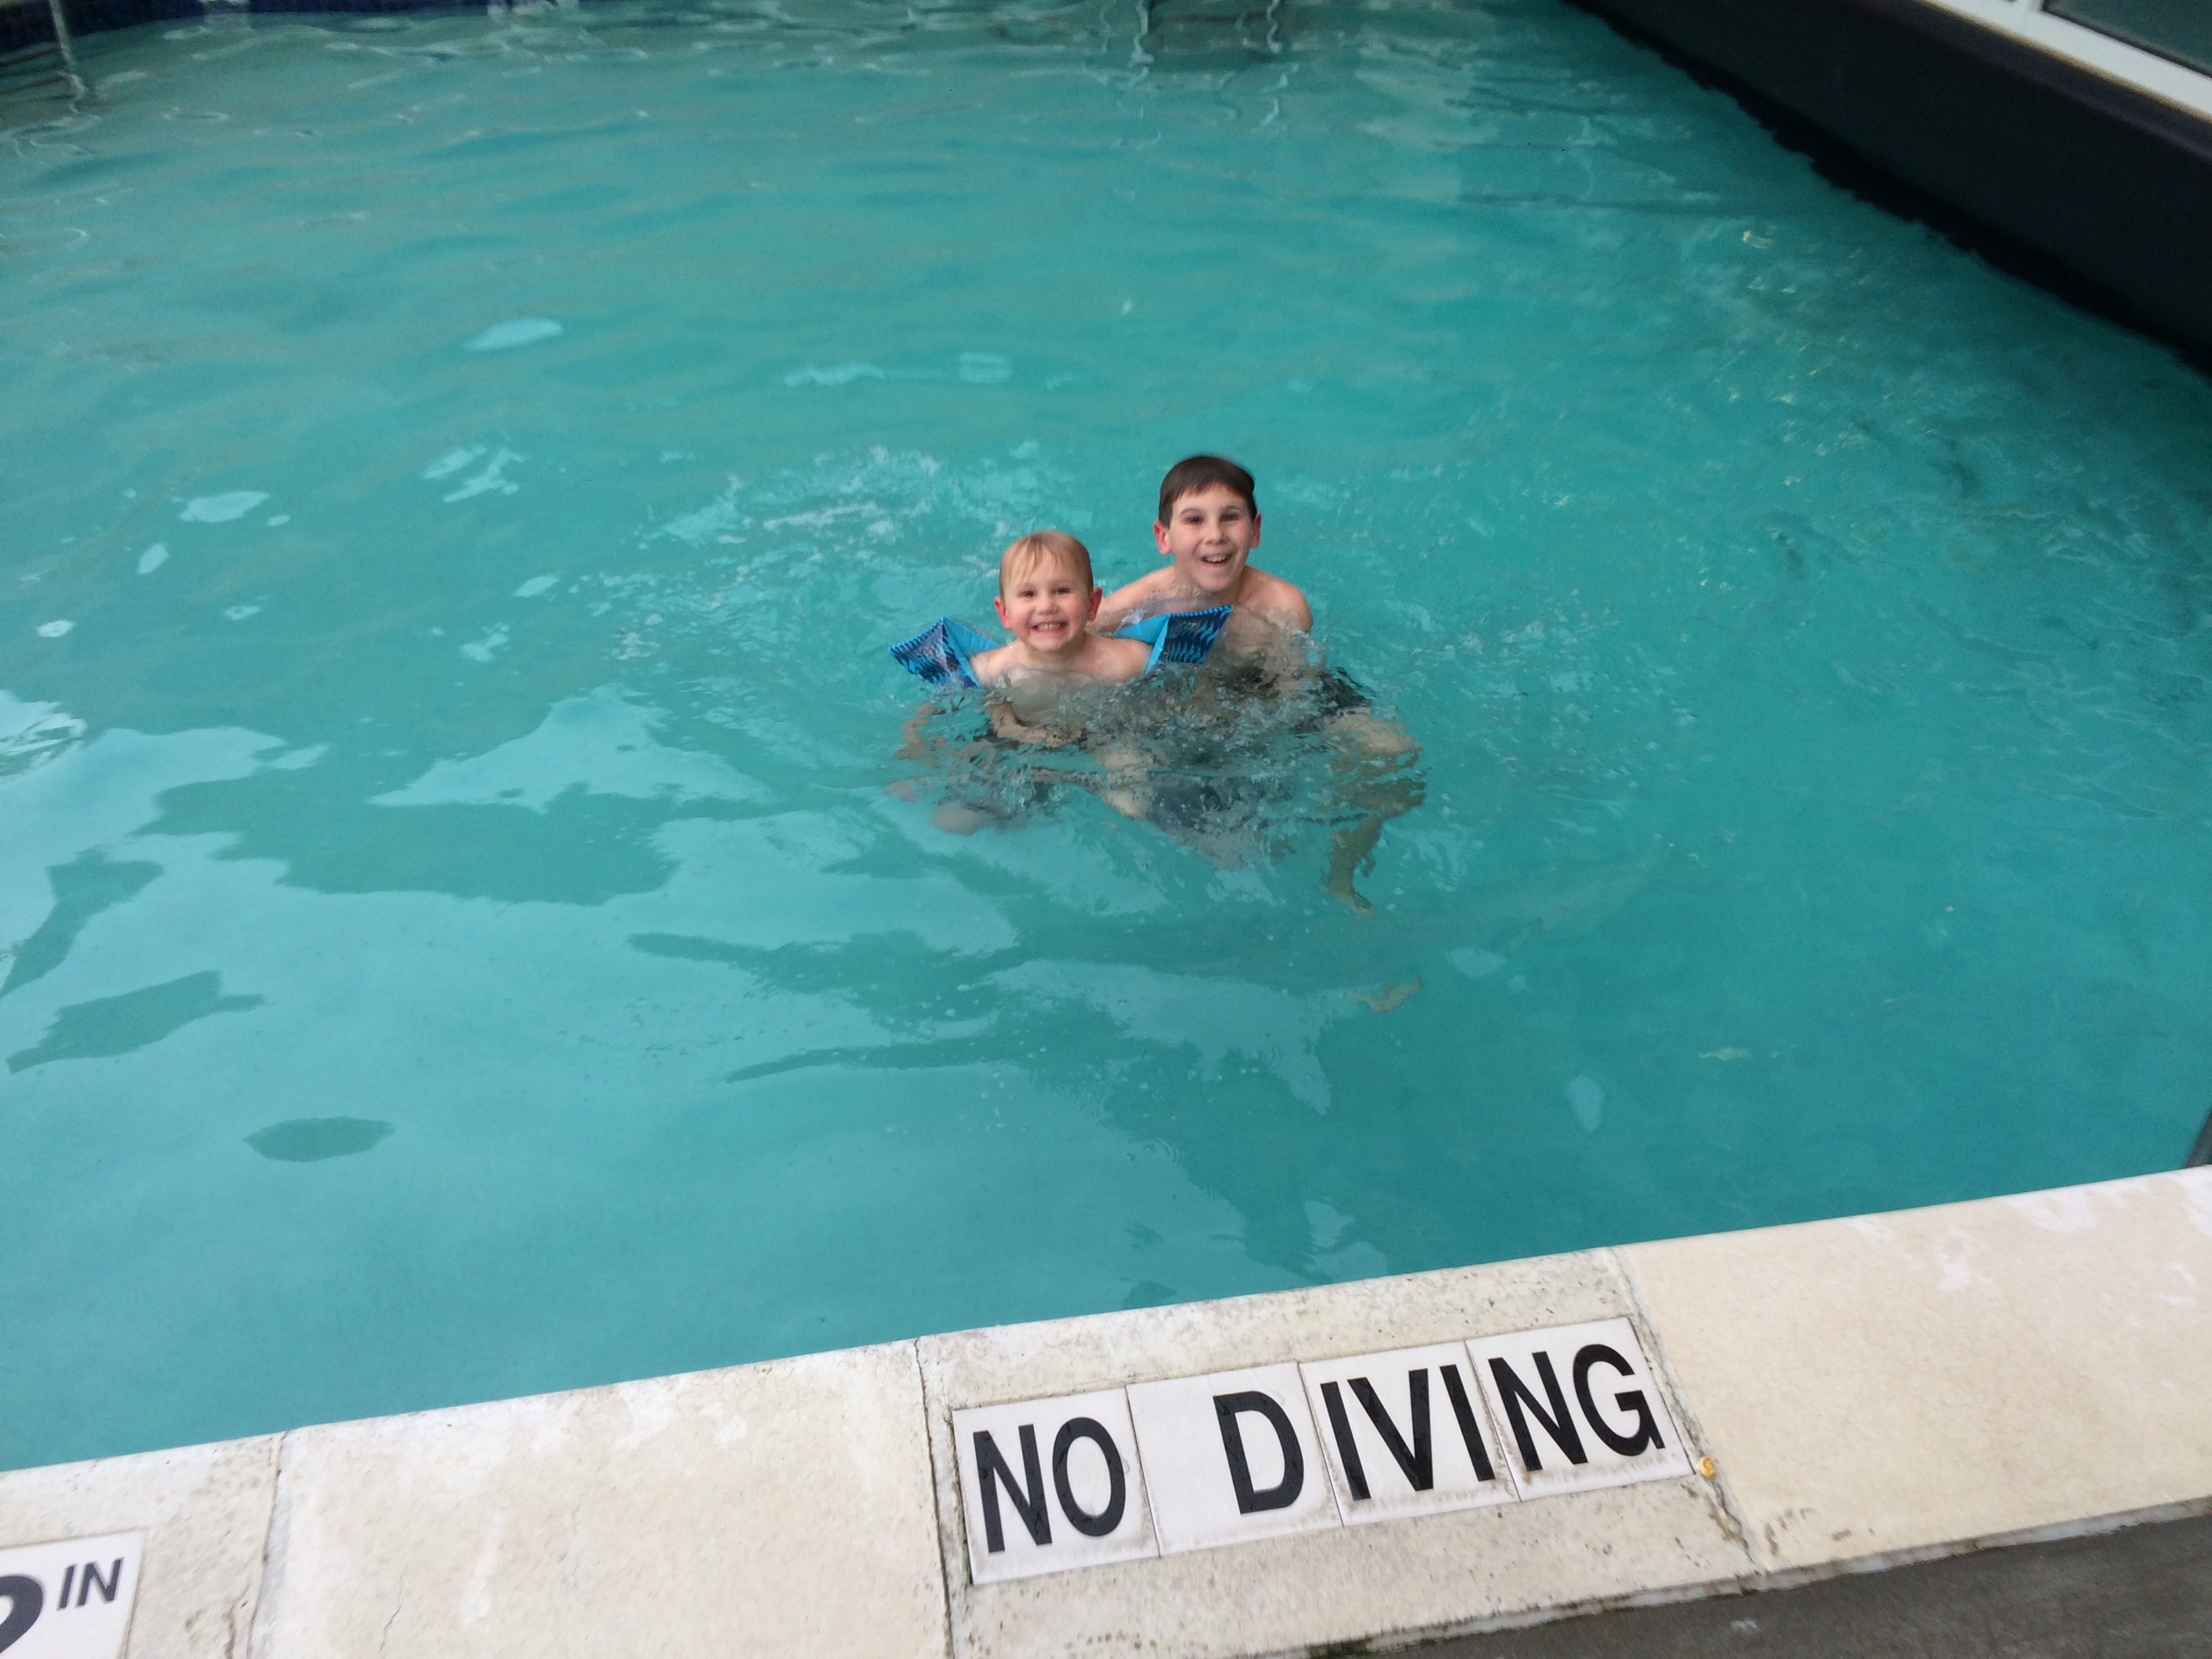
(1178, 635)
(941, 653)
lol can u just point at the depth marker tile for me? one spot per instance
(71, 1599)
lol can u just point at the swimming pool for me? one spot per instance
(464, 472)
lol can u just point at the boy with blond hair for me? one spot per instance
(1047, 600)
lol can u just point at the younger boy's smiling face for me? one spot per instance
(1045, 607)
(1209, 533)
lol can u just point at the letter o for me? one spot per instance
(1117, 1495)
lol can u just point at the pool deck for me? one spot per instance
(2138, 1592)
(1825, 1398)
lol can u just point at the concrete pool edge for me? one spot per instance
(1871, 1391)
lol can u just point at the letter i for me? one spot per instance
(68, 1578)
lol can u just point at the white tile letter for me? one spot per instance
(1406, 1433)
(1047, 1485)
(1577, 1406)
(1231, 1457)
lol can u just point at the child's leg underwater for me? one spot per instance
(1374, 762)
(1125, 783)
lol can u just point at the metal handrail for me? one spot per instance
(66, 44)
(2201, 1153)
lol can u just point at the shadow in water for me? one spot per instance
(135, 1020)
(82, 888)
(312, 1139)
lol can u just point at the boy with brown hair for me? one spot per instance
(1208, 525)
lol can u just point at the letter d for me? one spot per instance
(1228, 1407)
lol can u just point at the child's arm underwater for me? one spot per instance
(913, 744)
(1006, 722)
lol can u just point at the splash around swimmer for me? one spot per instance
(1197, 752)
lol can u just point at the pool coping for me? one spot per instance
(1846, 1395)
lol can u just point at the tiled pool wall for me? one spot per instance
(1703, 1416)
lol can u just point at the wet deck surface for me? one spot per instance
(2142, 1593)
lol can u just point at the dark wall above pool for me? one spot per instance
(2111, 183)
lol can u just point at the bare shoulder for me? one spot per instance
(1120, 659)
(990, 666)
(1117, 605)
(1271, 593)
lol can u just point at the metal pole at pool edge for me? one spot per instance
(2201, 1153)
(67, 47)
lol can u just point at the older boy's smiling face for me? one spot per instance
(1210, 534)
(1046, 606)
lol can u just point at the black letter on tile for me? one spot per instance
(1626, 1444)
(68, 1577)
(1355, 1471)
(1283, 1493)
(1417, 1464)
(1027, 1497)
(1117, 1493)
(1558, 1423)
(1469, 1430)
(108, 1585)
(26, 1597)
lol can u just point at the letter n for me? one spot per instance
(109, 1585)
(1558, 1424)
(1027, 1497)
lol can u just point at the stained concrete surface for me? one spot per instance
(2142, 1592)
(1886, 1384)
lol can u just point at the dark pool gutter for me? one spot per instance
(2088, 151)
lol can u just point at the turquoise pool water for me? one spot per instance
(462, 474)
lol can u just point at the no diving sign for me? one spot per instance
(1195, 1463)
(70, 1600)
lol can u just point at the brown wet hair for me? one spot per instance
(1196, 472)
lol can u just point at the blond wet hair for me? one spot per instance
(1025, 553)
